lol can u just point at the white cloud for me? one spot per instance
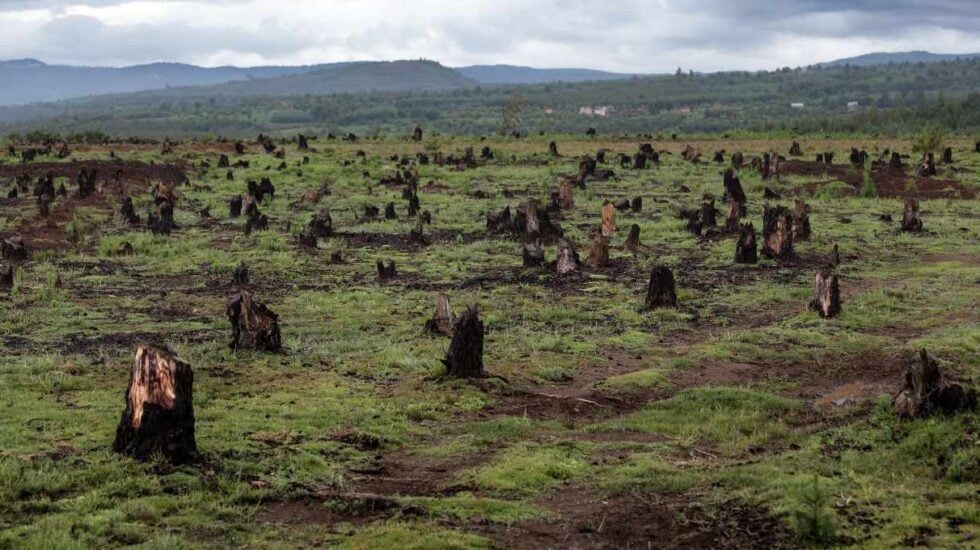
(631, 36)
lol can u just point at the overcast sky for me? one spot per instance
(621, 35)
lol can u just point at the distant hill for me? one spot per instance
(30, 80)
(882, 58)
(513, 74)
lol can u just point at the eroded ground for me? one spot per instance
(740, 419)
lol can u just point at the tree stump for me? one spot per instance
(413, 206)
(598, 253)
(159, 414)
(708, 214)
(928, 391)
(719, 157)
(253, 325)
(322, 224)
(235, 206)
(639, 161)
(835, 257)
(86, 182)
(553, 149)
(533, 254)
(567, 260)
(390, 213)
(499, 222)
(240, 276)
(636, 205)
(777, 233)
(14, 248)
(661, 291)
(928, 166)
(737, 159)
(586, 167)
(417, 134)
(161, 219)
(633, 239)
(608, 219)
(239, 148)
(566, 195)
(895, 161)
(622, 204)
(600, 156)
(801, 221)
(826, 300)
(911, 217)
(6, 275)
(733, 217)
(442, 320)
(223, 161)
(129, 212)
(795, 150)
(386, 272)
(745, 246)
(302, 144)
(948, 155)
(733, 189)
(307, 237)
(465, 356)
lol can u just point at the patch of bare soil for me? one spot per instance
(889, 181)
(584, 520)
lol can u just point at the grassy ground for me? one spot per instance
(740, 412)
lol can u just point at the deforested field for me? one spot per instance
(456, 342)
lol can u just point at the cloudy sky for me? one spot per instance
(622, 35)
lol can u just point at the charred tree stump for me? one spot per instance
(719, 157)
(6, 275)
(240, 276)
(636, 205)
(567, 261)
(622, 204)
(895, 161)
(928, 166)
(733, 189)
(322, 224)
(633, 239)
(911, 217)
(608, 219)
(745, 246)
(737, 159)
(159, 414)
(413, 206)
(253, 325)
(465, 356)
(661, 291)
(161, 219)
(14, 248)
(302, 144)
(928, 391)
(600, 156)
(390, 213)
(417, 134)
(777, 232)
(235, 206)
(801, 221)
(223, 161)
(598, 253)
(386, 272)
(86, 182)
(499, 222)
(826, 300)
(948, 155)
(307, 237)
(708, 215)
(239, 148)
(639, 161)
(795, 151)
(533, 254)
(835, 257)
(553, 149)
(566, 195)
(442, 320)
(733, 217)
(586, 167)
(129, 213)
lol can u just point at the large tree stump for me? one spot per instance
(777, 232)
(14, 248)
(598, 253)
(911, 217)
(442, 320)
(661, 291)
(835, 256)
(253, 325)
(499, 222)
(801, 221)
(161, 219)
(745, 246)
(826, 300)
(586, 167)
(928, 391)
(567, 261)
(465, 356)
(608, 219)
(622, 204)
(708, 214)
(413, 206)
(159, 414)
(633, 239)
(307, 237)
(533, 254)
(6, 275)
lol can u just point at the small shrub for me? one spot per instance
(813, 520)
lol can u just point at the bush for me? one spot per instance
(813, 520)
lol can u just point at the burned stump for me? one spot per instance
(129, 212)
(533, 254)
(745, 246)
(911, 217)
(322, 225)
(553, 149)
(826, 300)
(567, 260)
(14, 248)
(566, 195)
(465, 356)
(417, 134)
(795, 151)
(253, 325)
(608, 219)
(598, 253)
(390, 213)
(442, 320)
(240, 276)
(661, 291)
(928, 391)
(159, 414)
(633, 239)
(386, 272)
(801, 221)
(235, 206)
(86, 181)
(947, 156)
(928, 166)
(777, 233)
(6, 275)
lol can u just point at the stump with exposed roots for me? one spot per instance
(598, 253)
(777, 233)
(442, 320)
(745, 247)
(159, 414)
(661, 291)
(253, 325)
(911, 217)
(826, 300)
(567, 261)
(928, 391)
(465, 356)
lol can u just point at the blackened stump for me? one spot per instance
(911, 217)
(159, 414)
(253, 325)
(801, 221)
(745, 246)
(633, 239)
(533, 254)
(661, 291)
(826, 300)
(777, 232)
(235, 206)
(927, 390)
(465, 356)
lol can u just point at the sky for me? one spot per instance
(632, 36)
